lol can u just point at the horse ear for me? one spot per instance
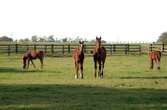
(96, 38)
(100, 37)
(80, 42)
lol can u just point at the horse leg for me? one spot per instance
(28, 63)
(99, 72)
(76, 69)
(95, 67)
(81, 68)
(102, 69)
(41, 60)
(33, 64)
(158, 66)
(151, 64)
(24, 63)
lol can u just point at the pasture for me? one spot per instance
(128, 84)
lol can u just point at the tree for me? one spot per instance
(5, 38)
(34, 38)
(64, 40)
(24, 40)
(51, 39)
(42, 39)
(162, 38)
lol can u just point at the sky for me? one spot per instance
(113, 20)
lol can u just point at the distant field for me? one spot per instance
(128, 84)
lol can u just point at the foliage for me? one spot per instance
(5, 39)
(51, 38)
(34, 38)
(163, 38)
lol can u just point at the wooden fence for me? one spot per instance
(161, 47)
(66, 49)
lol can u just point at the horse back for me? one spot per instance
(32, 54)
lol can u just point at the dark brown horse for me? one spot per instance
(99, 56)
(155, 56)
(78, 55)
(30, 55)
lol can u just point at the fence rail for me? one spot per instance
(66, 49)
(161, 47)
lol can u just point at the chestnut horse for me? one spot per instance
(30, 55)
(99, 55)
(78, 55)
(155, 56)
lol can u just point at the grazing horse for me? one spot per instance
(99, 55)
(78, 55)
(155, 56)
(30, 55)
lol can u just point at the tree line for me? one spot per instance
(161, 39)
(50, 38)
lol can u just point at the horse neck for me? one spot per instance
(81, 49)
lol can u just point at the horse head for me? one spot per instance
(98, 42)
(81, 46)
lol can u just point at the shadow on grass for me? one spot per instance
(149, 77)
(79, 97)
(16, 70)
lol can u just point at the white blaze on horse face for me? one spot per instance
(81, 47)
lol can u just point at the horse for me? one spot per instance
(78, 56)
(30, 55)
(155, 56)
(99, 55)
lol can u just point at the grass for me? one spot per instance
(128, 84)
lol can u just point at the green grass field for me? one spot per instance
(128, 84)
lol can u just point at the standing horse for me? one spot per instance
(155, 56)
(78, 55)
(99, 55)
(30, 55)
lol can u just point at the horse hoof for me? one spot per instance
(76, 77)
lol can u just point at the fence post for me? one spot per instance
(8, 50)
(63, 49)
(69, 49)
(126, 49)
(45, 49)
(139, 49)
(163, 47)
(114, 47)
(16, 48)
(85, 49)
(35, 47)
(27, 48)
(52, 49)
(151, 47)
(111, 49)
